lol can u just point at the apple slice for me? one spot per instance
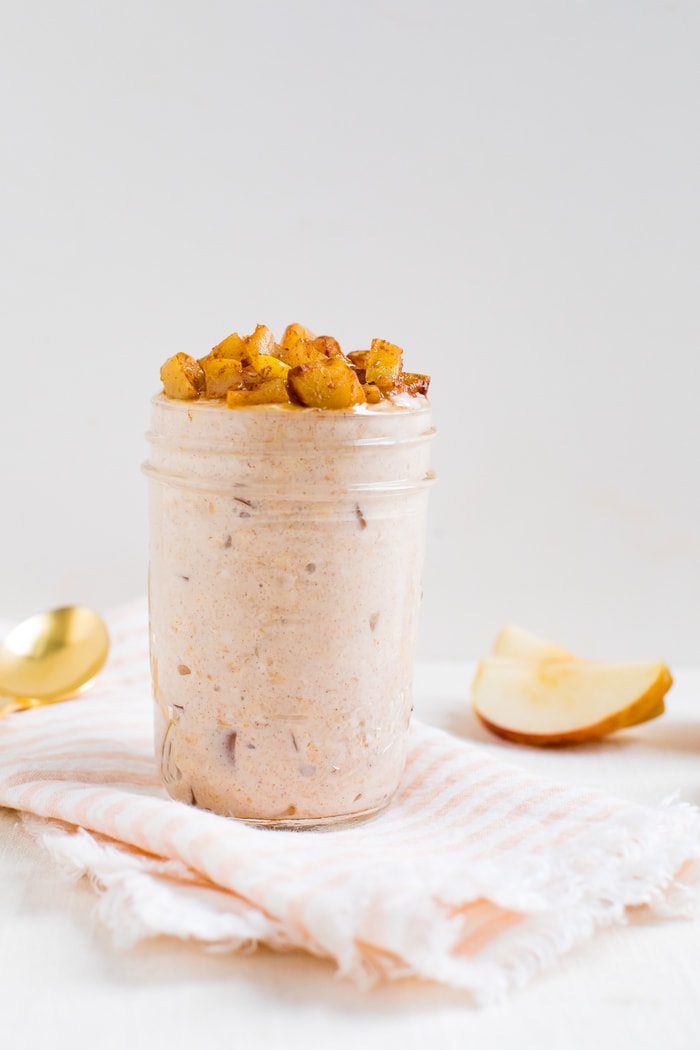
(552, 702)
(519, 644)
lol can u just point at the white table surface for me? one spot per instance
(62, 983)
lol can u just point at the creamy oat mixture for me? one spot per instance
(285, 577)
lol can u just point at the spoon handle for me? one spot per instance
(8, 704)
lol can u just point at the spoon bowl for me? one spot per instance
(52, 655)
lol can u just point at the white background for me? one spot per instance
(510, 190)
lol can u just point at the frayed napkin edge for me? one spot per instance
(657, 868)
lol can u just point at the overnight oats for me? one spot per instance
(288, 495)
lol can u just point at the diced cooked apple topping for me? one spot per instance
(384, 361)
(330, 383)
(303, 369)
(182, 377)
(221, 374)
(269, 392)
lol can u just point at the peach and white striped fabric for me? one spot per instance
(477, 876)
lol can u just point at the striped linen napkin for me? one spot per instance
(478, 876)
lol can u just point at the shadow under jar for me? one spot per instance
(286, 553)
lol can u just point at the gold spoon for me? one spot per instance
(50, 656)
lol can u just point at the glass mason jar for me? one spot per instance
(286, 552)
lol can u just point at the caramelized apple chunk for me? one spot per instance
(327, 345)
(384, 361)
(414, 383)
(330, 383)
(230, 347)
(270, 392)
(268, 367)
(405, 383)
(372, 393)
(261, 341)
(221, 375)
(299, 346)
(302, 353)
(182, 377)
(296, 333)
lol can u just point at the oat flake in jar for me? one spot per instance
(286, 551)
